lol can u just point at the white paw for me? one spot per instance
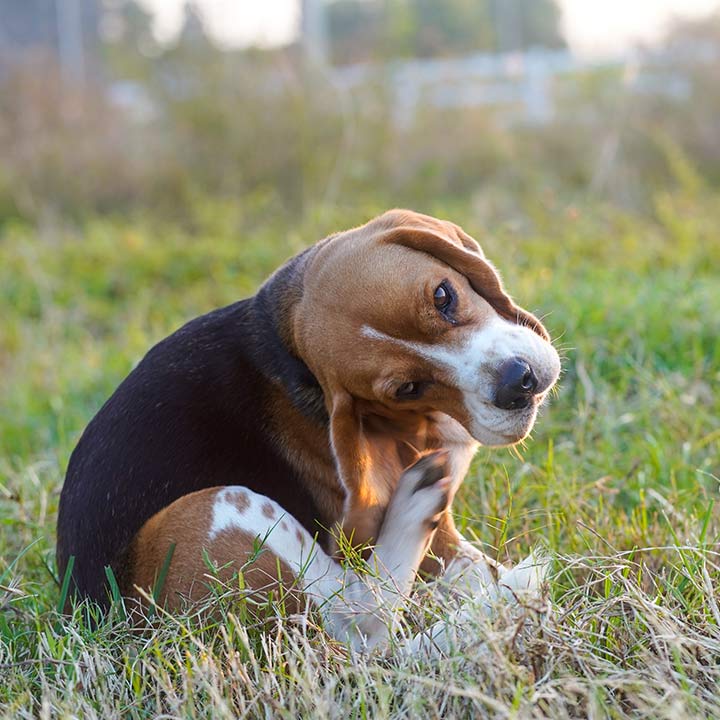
(423, 492)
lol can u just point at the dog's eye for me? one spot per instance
(408, 390)
(443, 297)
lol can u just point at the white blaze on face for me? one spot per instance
(474, 363)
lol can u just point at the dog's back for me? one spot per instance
(192, 414)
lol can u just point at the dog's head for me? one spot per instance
(404, 317)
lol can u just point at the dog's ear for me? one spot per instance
(362, 513)
(462, 253)
(369, 463)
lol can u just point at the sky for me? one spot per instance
(594, 28)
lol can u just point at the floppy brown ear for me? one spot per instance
(470, 261)
(363, 507)
(369, 465)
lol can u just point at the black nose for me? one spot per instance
(516, 386)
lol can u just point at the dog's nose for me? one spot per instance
(516, 386)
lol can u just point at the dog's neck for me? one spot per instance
(274, 305)
(299, 412)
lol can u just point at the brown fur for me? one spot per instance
(185, 523)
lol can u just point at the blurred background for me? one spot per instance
(111, 106)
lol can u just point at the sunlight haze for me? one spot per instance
(592, 28)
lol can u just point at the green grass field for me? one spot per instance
(619, 478)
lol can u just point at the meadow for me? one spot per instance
(619, 479)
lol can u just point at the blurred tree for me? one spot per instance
(371, 29)
(685, 66)
(128, 41)
(540, 24)
(193, 33)
(192, 64)
(354, 29)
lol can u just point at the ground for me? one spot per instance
(618, 480)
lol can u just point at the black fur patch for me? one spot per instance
(433, 468)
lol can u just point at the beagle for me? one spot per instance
(390, 338)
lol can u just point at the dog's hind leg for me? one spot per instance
(233, 529)
(363, 609)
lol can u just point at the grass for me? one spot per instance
(619, 480)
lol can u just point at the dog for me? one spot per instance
(389, 339)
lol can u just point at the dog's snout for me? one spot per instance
(517, 384)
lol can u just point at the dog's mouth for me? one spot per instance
(492, 438)
(494, 426)
(504, 410)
